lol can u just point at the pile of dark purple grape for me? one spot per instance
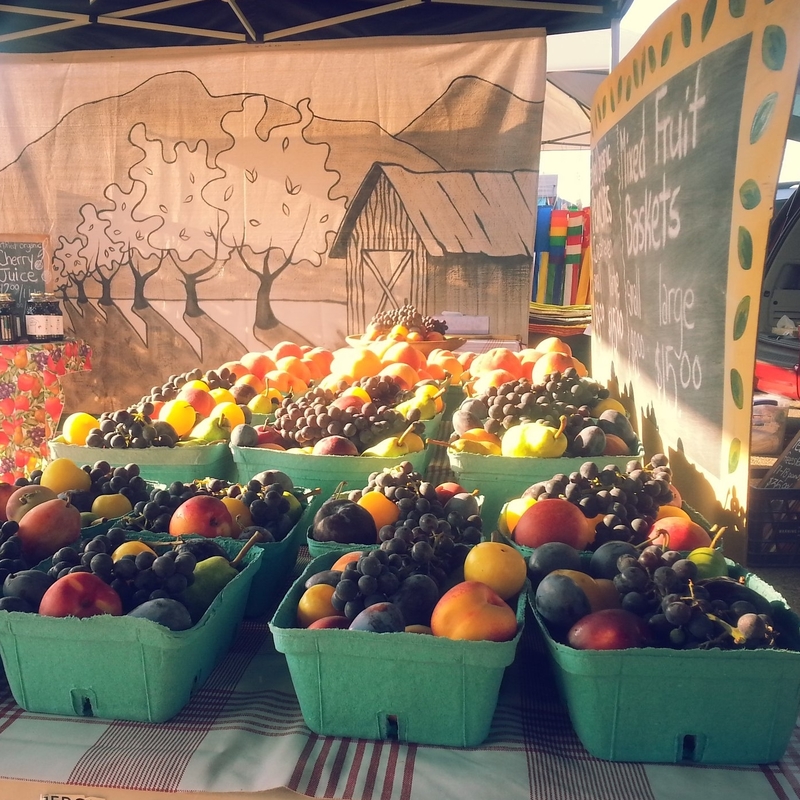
(10, 550)
(683, 612)
(427, 537)
(628, 499)
(135, 577)
(306, 420)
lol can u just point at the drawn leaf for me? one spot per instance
(762, 116)
(686, 29)
(251, 175)
(285, 143)
(773, 47)
(285, 209)
(324, 218)
(750, 194)
(188, 198)
(228, 193)
(737, 388)
(741, 317)
(665, 48)
(162, 208)
(734, 454)
(736, 7)
(651, 58)
(253, 223)
(709, 12)
(745, 248)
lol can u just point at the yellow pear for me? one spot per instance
(63, 474)
(535, 439)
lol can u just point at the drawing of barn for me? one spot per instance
(443, 241)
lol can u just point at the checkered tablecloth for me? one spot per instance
(243, 732)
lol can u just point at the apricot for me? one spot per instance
(405, 375)
(473, 611)
(551, 361)
(251, 380)
(285, 348)
(498, 565)
(404, 353)
(236, 367)
(495, 377)
(553, 520)
(552, 344)
(201, 400)
(322, 357)
(294, 366)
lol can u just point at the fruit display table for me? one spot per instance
(32, 398)
(243, 735)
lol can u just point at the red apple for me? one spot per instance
(204, 515)
(269, 435)
(48, 527)
(444, 491)
(553, 520)
(24, 498)
(472, 610)
(6, 490)
(80, 594)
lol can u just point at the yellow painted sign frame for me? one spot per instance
(684, 34)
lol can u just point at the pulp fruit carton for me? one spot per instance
(662, 705)
(159, 464)
(120, 667)
(316, 471)
(502, 478)
(367, 685)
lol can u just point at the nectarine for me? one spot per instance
(472, 610)
(553, 519)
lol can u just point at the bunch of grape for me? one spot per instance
(221, 378)
(408, 316)
(133, 428)
(10, 550)
(383, 390)
(135, 578)
(629, 499)
(268, 506)
(560, 395)
(682, 612)
(426, 536)
(373, 578)
(310, 418)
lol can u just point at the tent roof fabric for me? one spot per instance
(492, 213)
(39, 26)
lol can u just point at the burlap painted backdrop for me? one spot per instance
(203, 202)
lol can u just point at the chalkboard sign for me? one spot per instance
(23, 266)
(663, 180)
(687, 138)
(785, 472)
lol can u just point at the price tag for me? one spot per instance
(60, 796)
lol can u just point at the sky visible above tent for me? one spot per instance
(34, 26)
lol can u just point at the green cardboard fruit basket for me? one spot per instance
(158, 464)
(368, 685)
(322, 472)
(119, 667)
(675, 706)
(502, 478)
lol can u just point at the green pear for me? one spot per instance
(211, 429)
(210, 577)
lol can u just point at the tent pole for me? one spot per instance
(614, 42)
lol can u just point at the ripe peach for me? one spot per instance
(498, 358)
(404, 353)
(403, 374)
(553, 520)
(678, 533)
(285, 349)
(294, 366)
(495, 377)
(236, 367)
(550, 362)
(199, 399)
(554, 345)
(259, 364)
(322, 357)
(472, 610)
(80, 594)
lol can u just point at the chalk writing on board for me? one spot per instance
(785, 472)
(22, 268)
(662, 194)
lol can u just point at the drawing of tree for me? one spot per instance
(72, 263)
(173, 178)
(275, 195)
(103, 255)
(133, 236)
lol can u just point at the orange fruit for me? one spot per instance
(77, 426)
(236, 367)
(196, 384)
(180, 414)
(380, 507)
(499, 566)
(315, 604)
(346, 558)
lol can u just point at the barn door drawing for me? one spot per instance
(391, 283)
